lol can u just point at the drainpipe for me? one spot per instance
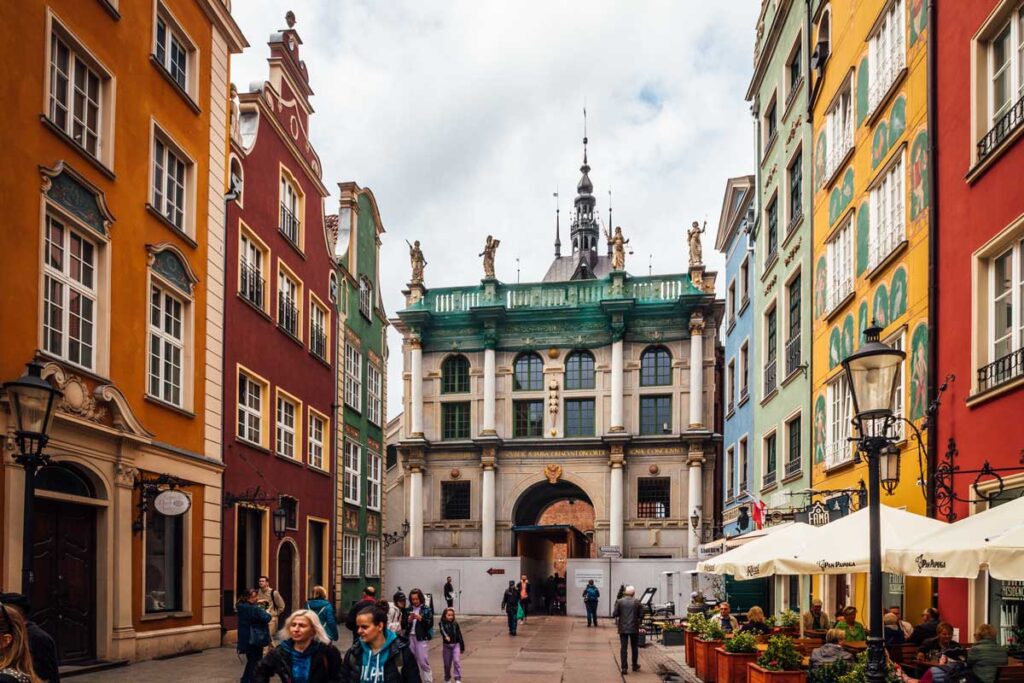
(933, 280)
(810, 269)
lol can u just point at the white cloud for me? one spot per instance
(464, 116)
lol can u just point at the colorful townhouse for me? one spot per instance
(870, 240)
(361, 396)
(978, 253)
(280, 360)
(115, 170)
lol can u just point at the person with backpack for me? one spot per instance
(510, 603)
(419, 622)
(253, 634)
(396, 612)
(379, 655)
(324, 611)
(591, 597)
(452, 645)
(271, 601)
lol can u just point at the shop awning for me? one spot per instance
(759, 557)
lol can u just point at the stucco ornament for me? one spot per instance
(236, 128)
(455, 473)
(490, 248)
(618, 243)
(696, 250)
(553, 472)
(553, 405)
(417, 262)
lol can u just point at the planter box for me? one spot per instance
(731, 667)
(670, 638)
(756, 674)
(690, 651)
(706, 665)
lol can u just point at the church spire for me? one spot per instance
(584, 232)
(558, 231)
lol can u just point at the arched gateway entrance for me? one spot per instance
(552, 523)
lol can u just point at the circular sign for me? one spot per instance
(172, 503)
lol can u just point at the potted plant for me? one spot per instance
(672, 634)
(780, 663)
(1015, 642)
(694, 624)
(707, 642)
(732, 658)
(788, 622)
(852, 672)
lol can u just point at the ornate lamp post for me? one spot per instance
(280, 522)
(872, 373)
(32, 402)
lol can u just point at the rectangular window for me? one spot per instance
(770, 461)
(350, 556)
(1003, 358)
(287, 304)
(730, 303)
(793, 444)
(794, 71)
(888, 215)
(353, 378)
(291, 512)
(1002, 57)
(318, 330)
(69, 294)
(730, 468)
(164, 562)
(316, 553)
(839, 256)
(653, 497)
(250, 409)
(655, 414)
(455, 420)
(744, 466)
(171, 52)
(744, 371)
(289, 211)
(76, 96)
(527, 418)
(352, 465)
(166, 346)
(373, 480)
(771, 246)
(169, 182)
(286, 412)
(771, 122)
(317, 428)
(372, 556)
(839, 409)
(796, 176)
(744, 282)
(838, 131)
(730, 385)
(373, 395)
(579, 417)
(365, 297)
(770, 350)
(252, 282)
(793, 353)
(455, 500)
(887, 55)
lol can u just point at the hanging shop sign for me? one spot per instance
(821, 513)
(171, 503)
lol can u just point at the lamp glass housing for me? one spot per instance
(889, 468)
(280, 520)
(32, 402)
(872, 373)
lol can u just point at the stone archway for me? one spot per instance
(288, 578)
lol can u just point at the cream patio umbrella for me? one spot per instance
(759, 558)
(994, 538)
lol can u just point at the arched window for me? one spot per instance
(64, 479)
(237, 179)
(528, 373)
(655, 367)
(579, 370)
(333, 285)
(455, 375)
(823, 45)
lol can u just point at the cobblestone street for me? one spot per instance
(547, 650)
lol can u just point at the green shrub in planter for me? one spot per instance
(789, 619)
(857, 672)
(711, 631)
(741, 642)
(696, 622)
(781, 655)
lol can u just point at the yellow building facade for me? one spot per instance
(871, 206)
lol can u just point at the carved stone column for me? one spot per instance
(416, 380)
(615, 498)
(695, 499)
(490, 381)
(487, 503)
(414, 471)
(123, 644)
(696, 371)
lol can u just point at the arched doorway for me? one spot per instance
(286, 577)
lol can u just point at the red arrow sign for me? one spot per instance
(495, 570)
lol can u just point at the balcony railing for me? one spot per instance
(287, 314)
(836, 153)
(743, 487)
(289, 224)
(768, 479)
(792, 467)
(770, 377)
(251, 285)
(318, 341)
(792, 355)
(1001, 370)
(744, 394)
(1002, 128)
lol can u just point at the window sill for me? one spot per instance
(255, 446)
(768, 147)
(458, 441)
(293, 461)
(880, 108)
(976, 399)
(769, 488)
(96, 163)
(838, 308)
(111, 9)
(791, 97)
(174, 84)
(731, 414)
(743, 306)
(160, 616)
(793, 375)
(791, 227)
(731, 326)
(319, 470)
(980, 167)
(840, 466)
(772, 394)
(155, 212)
(875, 271)
(169, 406)
(78, 369)
(291, 336)
(769, 264)
(743, 399)
(793, 477)
(254, 306)
(320, 359)
(355, 503)
(829, 180)
(357, 411)
(292, 244)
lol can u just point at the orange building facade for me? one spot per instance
(115, 136)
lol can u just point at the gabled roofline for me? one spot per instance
(728, 221)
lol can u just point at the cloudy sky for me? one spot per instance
(465, 116)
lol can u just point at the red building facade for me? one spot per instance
(979, 108)
(280, 330)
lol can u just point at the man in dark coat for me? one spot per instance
(927, 628)
(510, 603)
(40, 644)
(628, 614)
(369, 599)
(449, 592)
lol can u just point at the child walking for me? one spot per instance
(453, 645)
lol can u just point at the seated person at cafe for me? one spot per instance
(755, 622)
(831, 652)
(891, 630)
(926, 629)
(853, 630)
(724, 620)
(697, 604)
(905, 626)
(816, 619)
(942, 646)
(986, 655)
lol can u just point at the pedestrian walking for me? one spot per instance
(395, 611)
(369, 599)
(305, 653)
(253, 633)
(379, 655)
(271, 601)
(510, 603)
(15, 659)
(449, 592)
(419, 622)
(40, 643)
(591, 598)
(628, 613)
(452, 646)
(525, 589)
(324, 611)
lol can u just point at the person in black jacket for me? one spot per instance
(452, 645)
(510, 603)
(628, 614)
(419, 620)
(926, 629)
(380, 655)
(449, 593)
(253, 631)
(306, 655)
(369, 599)
(40, 643)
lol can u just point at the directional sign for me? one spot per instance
(495, 570)
(613, 551)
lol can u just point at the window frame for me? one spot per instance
(291, 209)
(158, 204)
(374, 479)
(795, 170)
(839, 129)
(770, 321)
(586, 379)
(322, 443)
(839, 259)
(284, 273)
(350, 556)
(888, 196)
(771, 230)
(182, 572)
(743, 458)
(662, 370)
(452, 377)
(744, 368)
(373, 557)
(838, 422)
(794, 322)
(646, 399)
(353, 377)
(770, 121)
(250, 242)
(374, 397)
(460, 487)
(654, 502)
(534, 371)
(283, 397)
(316, 306)
(990, 133)
(165, 292)
(579, 426)
(365, 297)
(173, 29)
(466, 420)
(259, 413)
(352, 467)
(889, 36)
(796, 418)
(729, 472)
(521, 423)
(795, 60)
(95, 293)
(769, 456)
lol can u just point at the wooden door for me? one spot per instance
(285, 579)
(64, 570)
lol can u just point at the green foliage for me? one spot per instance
(696, 622)
(789, 619)
(844, 672)
(741, 642)
(781, 655)
(1015, 642)
(672, 626)
(711, 631)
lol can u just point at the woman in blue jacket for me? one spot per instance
(324, 611)
(253, 631)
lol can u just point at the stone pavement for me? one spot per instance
(547, 650)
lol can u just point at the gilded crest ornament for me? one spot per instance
(553, 472)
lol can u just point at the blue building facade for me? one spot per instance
(733, 240)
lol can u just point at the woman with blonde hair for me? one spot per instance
(324, 611)
(755, 622)
(15, 660)
(305, 654)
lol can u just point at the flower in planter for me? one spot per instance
(789, 619)
(781, 655)
(740, 643)
(696, 622)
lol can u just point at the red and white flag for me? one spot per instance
(759, 509)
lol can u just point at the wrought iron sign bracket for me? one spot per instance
(947, 470)
(150, 488)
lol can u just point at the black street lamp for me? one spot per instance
(32, 401)
(280, 522)
(872, 374)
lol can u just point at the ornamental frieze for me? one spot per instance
(565, 453)
(656, 450)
